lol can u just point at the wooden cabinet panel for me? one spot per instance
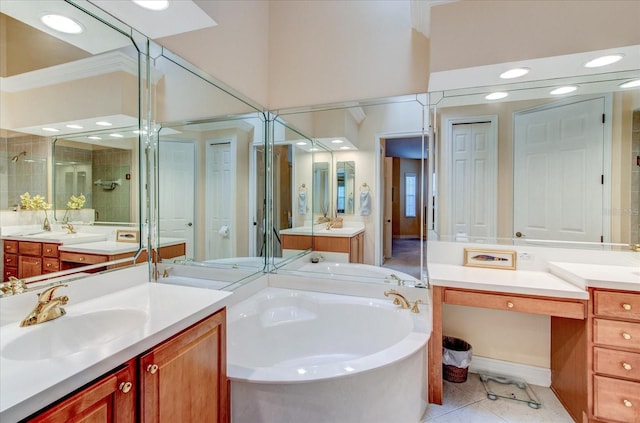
(332, 244)
(50, 250)
(616, 363)
(11, 247)
(30, 248)
(103, 401)
(50, 264)
(184, 379)
(525, 304)
(11, 260)
(10, 271)
(82, 258)
(616, 333)
(297, 242)
(622, 305)
(29, 266)
(616, 400)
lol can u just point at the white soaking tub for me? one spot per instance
(301, 356)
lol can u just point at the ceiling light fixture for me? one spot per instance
(93, 137)
(604, 61)
(61, 23)
(116, 135)
(301, 143)
(51, 129)
(155, 5)
(74, 126)
(514, 73)
(635, 83)
(496, 96)
(103, 123)
(345, 148)
(336, 141)
(563, 90)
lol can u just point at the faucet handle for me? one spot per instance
(165, 272)
(47, 295)
(415, 308)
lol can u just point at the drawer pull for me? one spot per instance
(125, 387)
(152, 368)
(48, 264)
(509, 304)
(626, 366)
(626, 336)
(627, 403)
(80, 258)
(9, 260)
(626, 306)
(48, 250)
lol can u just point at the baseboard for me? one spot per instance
(533, 375)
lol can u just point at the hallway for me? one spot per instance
(406, 257)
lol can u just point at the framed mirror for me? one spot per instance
(69, 87)
(552, 162)
(345, 187)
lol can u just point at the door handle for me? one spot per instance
(519, 234)
(190, 224)
(388, 220)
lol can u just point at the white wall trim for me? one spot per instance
(533, 375)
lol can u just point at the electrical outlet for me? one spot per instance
(525, 256)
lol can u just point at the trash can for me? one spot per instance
(456, 357)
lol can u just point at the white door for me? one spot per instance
(177, 183)
(388, 208)
(220, 201)
(558, 168)
(473, 180)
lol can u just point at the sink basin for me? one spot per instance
(70, 334)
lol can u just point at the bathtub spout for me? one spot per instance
(399, 299)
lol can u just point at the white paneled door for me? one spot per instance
(177, 191)
(558, 172)
(220, 188)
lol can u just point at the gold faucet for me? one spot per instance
(399, 299)
(47, 308)
(415, 308)
(165, 272)
(69, 227)
(14, 286)
(635, 247)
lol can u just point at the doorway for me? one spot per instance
(220, 204)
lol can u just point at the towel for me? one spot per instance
(365, 203)
(302, 202)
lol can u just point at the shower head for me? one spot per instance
(17, 156)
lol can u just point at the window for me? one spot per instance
(410, 195)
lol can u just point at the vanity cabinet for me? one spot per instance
(354, 246)
(615, 376)
(183, 379)
(112, 398)
(24, 259)
(70, 260)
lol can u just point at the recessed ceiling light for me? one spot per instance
(514, 73)
(103, 123)
(61, 24)
(116, 135)
(314, 149)
(93, 137)
(345, 148)
(336, 141)
(155, 5)
(74, 126)
(137, 131)
(301, 143)
(496, 96)
(563, 90)
(630, 84)
(603, 61)
(51, 129)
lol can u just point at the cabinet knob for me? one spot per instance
(152, 368)
(626, 366)
(627, 403)
(125, 387)
(509, 304)
(48, 264)
(626, 336)
(9, 260)
(81, 258)
(626, 306)
(48, 250)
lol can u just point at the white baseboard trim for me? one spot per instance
(533, 375)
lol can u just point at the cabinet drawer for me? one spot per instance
(82, 258)
(622, 305)
(616, 400)
(10, 271)
(535, 305)
(617, 334)
(616, 363)
(50, 250)
(30, 248)
(11, 260)
(50, 264)
(11, 247)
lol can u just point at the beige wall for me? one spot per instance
(482, 32)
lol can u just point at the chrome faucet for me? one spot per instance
(399, 299)
(47, 308)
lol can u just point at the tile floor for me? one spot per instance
(467, 402)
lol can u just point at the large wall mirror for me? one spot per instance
(210, 174)
(68, 108)
(553, 161)
(361, 153)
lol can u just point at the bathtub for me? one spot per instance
(301, 356)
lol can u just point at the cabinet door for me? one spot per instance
(185, 378)
(29, 266)
(110, 399)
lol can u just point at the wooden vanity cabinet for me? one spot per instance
(185, 378)
(24, 259)
(111, 399)
(354, 246)
(10, 258)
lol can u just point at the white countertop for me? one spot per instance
(348, 230)
(506, 281)
(29, 385)
(587, 275)
(113, 247)
(57, 237)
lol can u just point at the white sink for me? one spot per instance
(69, 334)
(66, 238)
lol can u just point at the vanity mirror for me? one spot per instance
(68, 88)
(345, 187)
(539, 165)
